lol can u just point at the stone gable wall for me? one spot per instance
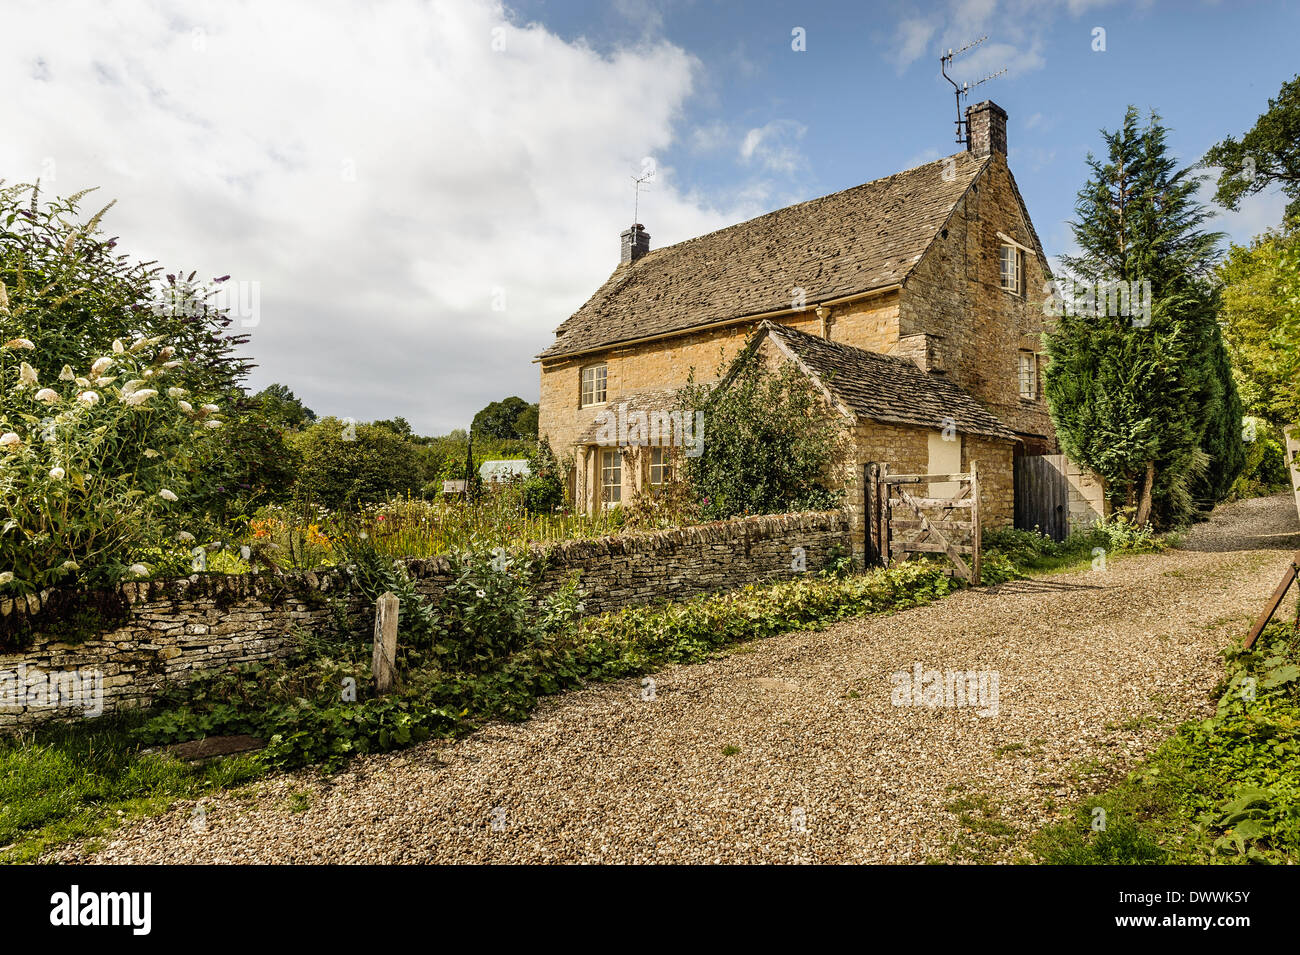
(955, 294)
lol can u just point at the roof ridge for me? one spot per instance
(866, 237)
(632, 267)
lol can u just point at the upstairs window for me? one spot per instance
(1011, 262)
(1028, 375)
(659, 466)
(593, 385)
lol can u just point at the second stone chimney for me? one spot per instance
(636, 243)
(986, 129)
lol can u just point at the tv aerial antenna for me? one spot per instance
(638, 181)
(945, 61)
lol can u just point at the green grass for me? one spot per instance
(63, 783)
(984, 834)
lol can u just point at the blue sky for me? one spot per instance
(861, 102)
(412, 194)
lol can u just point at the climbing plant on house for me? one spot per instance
(769, 442)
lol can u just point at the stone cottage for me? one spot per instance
(914, 301)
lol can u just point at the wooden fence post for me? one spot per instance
(886, 513)
(384, 662)
(871, 554)
(974, 526)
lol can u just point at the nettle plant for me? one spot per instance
(94, 463)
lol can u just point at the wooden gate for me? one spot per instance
(1043, 495)
(900, 521)
(1292, 433)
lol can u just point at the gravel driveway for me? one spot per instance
(789, 749)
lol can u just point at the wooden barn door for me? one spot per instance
(1043, 495)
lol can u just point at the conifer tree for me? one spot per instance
(1145, 399)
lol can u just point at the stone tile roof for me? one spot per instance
(651, 399)
(867, 237)
(887, 388)
(864, 383)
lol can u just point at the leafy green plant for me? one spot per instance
(770, 442)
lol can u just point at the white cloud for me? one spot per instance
(711, 137)
(773, 146)
(379, 169)
(1016, 29)
(912, 40)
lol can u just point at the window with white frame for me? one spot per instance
(1011, 261)
(659, 466)
(611, 476)
(1028, 375)
(593, 385)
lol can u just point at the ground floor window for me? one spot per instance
(659, 466)
(611, 476)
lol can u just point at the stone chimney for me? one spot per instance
(924, 349)
(636, 243)
(986, 129)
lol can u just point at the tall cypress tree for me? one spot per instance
(1145, 400)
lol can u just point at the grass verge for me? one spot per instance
(1221, 790)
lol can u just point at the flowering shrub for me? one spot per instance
(92, 463)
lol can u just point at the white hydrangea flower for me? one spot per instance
(27, 374)
(16, 343)
(132, 385)
(213, 424)
(165, 353)
(167, 495)
(99, 367)
(211, 409)
(171, 364)
(58, 473)
(7, 577)
(48, 395)
(67, 374)
(89, 397)
(9, 440)
(138, 569)
(175, 392)
(118, 347)
(185, 406)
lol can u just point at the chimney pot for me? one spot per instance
(986, 129)
(636, 243)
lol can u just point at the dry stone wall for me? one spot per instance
(168, 632)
